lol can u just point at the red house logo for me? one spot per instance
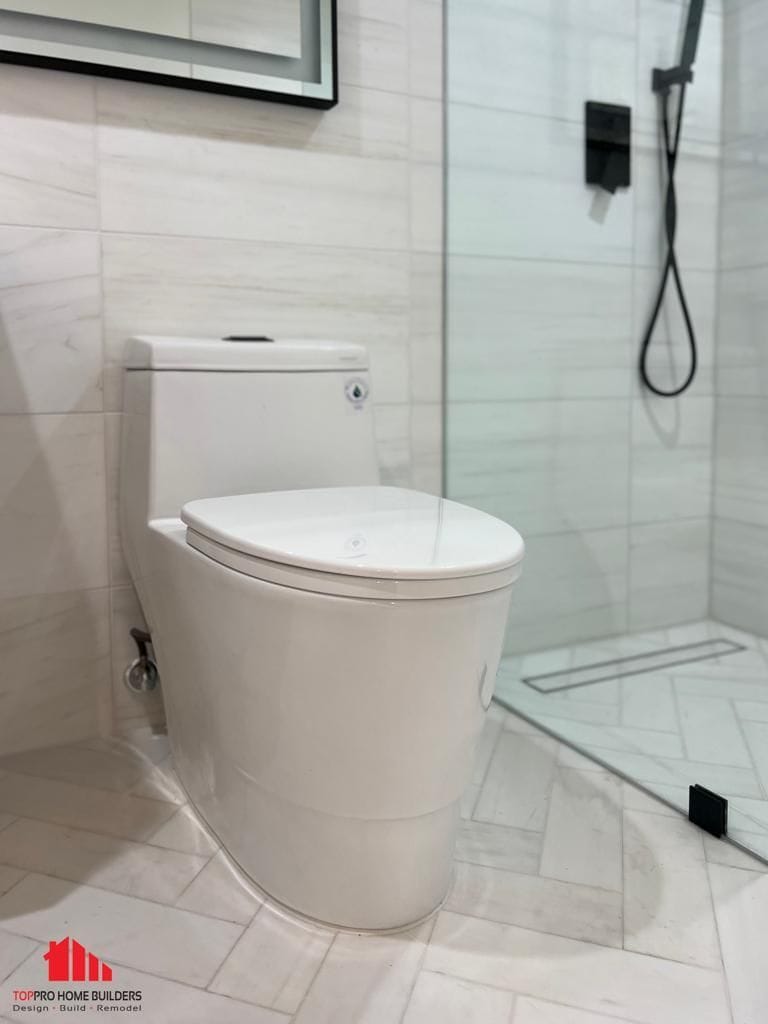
(69, 961)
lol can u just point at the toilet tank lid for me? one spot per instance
(155, 352)
(376, 532)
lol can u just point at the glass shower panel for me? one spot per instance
(638, 628)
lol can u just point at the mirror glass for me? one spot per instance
(284, 47)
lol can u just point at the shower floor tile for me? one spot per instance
(703, 721)
(577, 898)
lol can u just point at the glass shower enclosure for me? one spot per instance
(638, 633)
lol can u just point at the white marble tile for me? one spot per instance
(426, 206)
(163, 183)
(499, 846)
(212, 287)
(582, 840)
(517, 190)
(754, 711)
(426, 423)
(50, 302)
(720, 851)
(426, 327)
(9, 876)
(667, 909)
(426, 126)
(370, 122)
(660, 26)
(742, 357)
(440, 999)
(741, 899)
(373, 44)
(49, 173)
(536, 1011)
(393, 444)
(669, 355)
(618, 738)
(647, 702)
(560, 55)
(739, 573)
(110, 767)
(183, 832)
(711, 731)
(575, 585)
(669, 572)
(743, 238)
(561, 705)
(173, 943)
(13, 950)
(425, 37)
(638, 800)
(508, 340)
(98, 810)
(698, 181)
(592, 977)
(5, 819)
(543, 904)
(162, 1000)
(745, 30)
(54, 650)
(274, 963)
(535, 462)
(671, 459)
(741, 489)
(218, 891)
(119, 575)
(756, 735)
(134, 869)
(530, 761)
(365, 979)
(52, 504)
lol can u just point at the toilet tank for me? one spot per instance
(207, 418)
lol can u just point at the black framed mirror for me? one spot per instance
(283, 50)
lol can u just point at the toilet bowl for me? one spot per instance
(327, 646)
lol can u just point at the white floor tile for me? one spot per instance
(711, 731)
(492, 727)
(530, 761)
(218, 891)
(667, 909)
(439, 999)
(497, 846)
(366, 979)
(544, 904)
(582, 840)
(161, 784)
(134, 869)
(14, 949)
(741, 905)
(644, 989)
(647, 702)
(757, 739)
(535, 1011)
(184, 832)
(9, 876)
(173, 943)
(637, 800)
(720, 851)
(274, 963)
(115, 769)
(115, 814)
(6, 819)
(163, 1002)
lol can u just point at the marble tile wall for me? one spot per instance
(133, 208)
(549, 289)
(740, 547)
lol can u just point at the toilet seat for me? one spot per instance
(370, 542)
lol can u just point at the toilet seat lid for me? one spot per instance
(372, 532)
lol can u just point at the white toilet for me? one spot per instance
(327, 646)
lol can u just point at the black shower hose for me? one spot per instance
(670, 264)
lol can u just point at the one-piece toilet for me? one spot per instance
(327, 646)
